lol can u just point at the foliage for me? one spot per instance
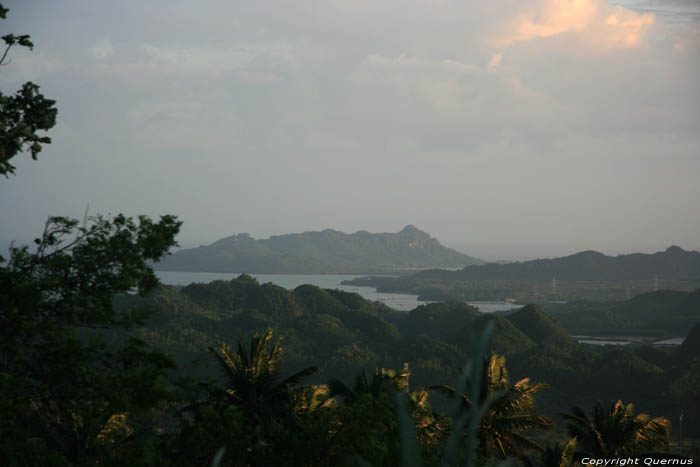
(466, 420)
(383, 381)
(559, 455)
(24, 114)
(655, 314)
(510, 411)
(613, 430)
(187, 325)
(252, 376)
(63, 378)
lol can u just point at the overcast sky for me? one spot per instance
(509, 129)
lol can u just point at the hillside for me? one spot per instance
(538, 326)
(690, 350)
(587, 275)
(343, 333)
(672, 264)
(663, 313)
(326, 252)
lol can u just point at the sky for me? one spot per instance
(508, 130)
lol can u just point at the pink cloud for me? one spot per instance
(595, 22)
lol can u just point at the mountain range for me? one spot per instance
(674, 263)
(588, 275)
(325, 252)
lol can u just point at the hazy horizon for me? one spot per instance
(508, 130)
(504, 252)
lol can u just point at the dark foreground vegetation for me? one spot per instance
(85, 383)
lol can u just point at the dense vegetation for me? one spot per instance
(342, 334)
(587, 275)
(289, 398)
(665, 313)
(323, 252)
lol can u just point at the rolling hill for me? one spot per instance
(587, 275)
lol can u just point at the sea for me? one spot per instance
(626, 340)
(397, 301)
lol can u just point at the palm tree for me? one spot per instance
(367, 425)
(429, 426)
(615, 430)
(510, 411)
(253, 376)
(383, 381)
(559, 455)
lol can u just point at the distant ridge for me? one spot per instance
(673, 264)
(325, 252)
(588, 275)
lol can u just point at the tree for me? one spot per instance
(383, 381)
(265, 401)
(511, 411)
(252, 374)
(615, 430)
(24, 114)
(559, 455)
(366, 429)
(66, 368)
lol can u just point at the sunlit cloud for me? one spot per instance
(495, 62)
(593, 21)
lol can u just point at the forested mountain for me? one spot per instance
(665, 313)
(672, 264)
(328, 251)
(586, 275)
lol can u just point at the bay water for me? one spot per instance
(397, 301)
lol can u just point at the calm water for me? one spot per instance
(624, 340)
(673, 341)
(397, 301)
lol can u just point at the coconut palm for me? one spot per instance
(559, 455)
(253, 379)
(510, 411)
(615, 430)
(383, 381)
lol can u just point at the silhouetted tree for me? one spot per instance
(614, 429)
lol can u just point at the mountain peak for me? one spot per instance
(674, 249)
(411, 229)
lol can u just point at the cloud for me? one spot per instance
(431, 106)
(596, 23)
(102, 49)
(670, 11)
(416, 64)
(495, 61)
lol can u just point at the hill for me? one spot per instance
(538, 326)
(672, 264)
(690, 349)
(663, 313)
(325, 252)
(343, 333)
(505, 340)
(587, 275)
